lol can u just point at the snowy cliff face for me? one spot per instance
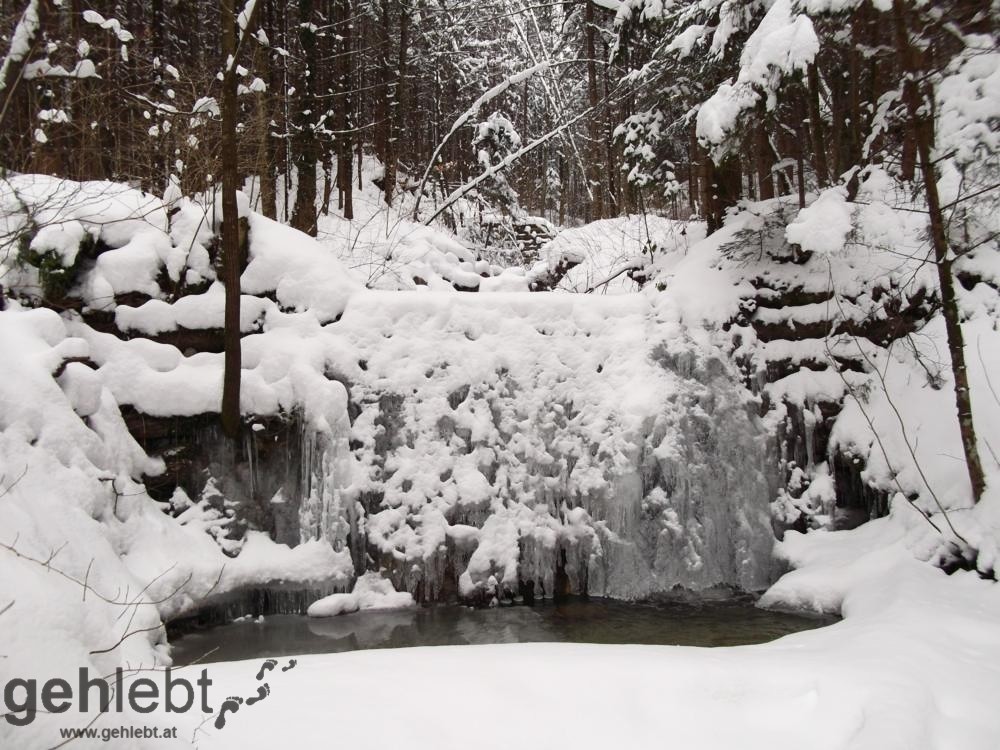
(833, 317)
(549, 444)
(492, 445)
(472, 445)
(497, 446)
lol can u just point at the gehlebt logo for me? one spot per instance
(25, 698)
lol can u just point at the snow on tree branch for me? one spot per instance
(21, 42)
(473, 111)
(783, 43)
(110, 24)
(502, 165)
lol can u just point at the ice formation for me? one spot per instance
(484, 446)
(480, 446)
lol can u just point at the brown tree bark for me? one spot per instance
(817, 130)
(328, 183)
(593, 176)
(305, 143)
(721, 188)
(267, 153)
(345, 119)
(383, 90)
(231, 265)
(763, 162)
(396, 98)
(694, 162)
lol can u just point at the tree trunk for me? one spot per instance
(800, 167)
(616, 201)
(720, 189)
(328, 183)
(345, 156)
(385, 94)
(593, 122)
(396, 99)
(694, 150)
(764, 162)
(230, 229)
(305, 141)
(918, 102)
(267, 154)
(816, 129)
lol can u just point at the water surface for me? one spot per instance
(725, 622)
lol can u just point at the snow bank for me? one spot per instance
(506, 438)
(302, 274)
(912, 667)
(73, 514)
(823, 226)
(493, 438)
(605, 250)
(196, 311)
(111, 212)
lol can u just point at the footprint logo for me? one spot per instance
(266, 667)
(229, 706)
(232, 704)
(262, 692)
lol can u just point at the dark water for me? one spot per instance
(725, 622)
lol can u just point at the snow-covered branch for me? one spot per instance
(471, 112)
(21, 43)
(502, 165)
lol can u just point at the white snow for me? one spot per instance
(606, 249)
(894, 674)
(370, 592)
(823, 225)
(782, 43)
(195, 311)
(112, 212)
(525, 423)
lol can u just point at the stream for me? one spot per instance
(703, 622)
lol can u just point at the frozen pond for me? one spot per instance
(724, 622)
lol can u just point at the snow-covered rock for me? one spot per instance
(371, 591)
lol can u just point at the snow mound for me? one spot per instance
(605, 251)
(823, 226)
(371, 591)
(75, 518)
(109, 211)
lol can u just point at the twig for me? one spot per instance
(13, 484)
(128, 634)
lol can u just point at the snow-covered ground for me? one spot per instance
(607, 250)
(387, 249)
(914, 665)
